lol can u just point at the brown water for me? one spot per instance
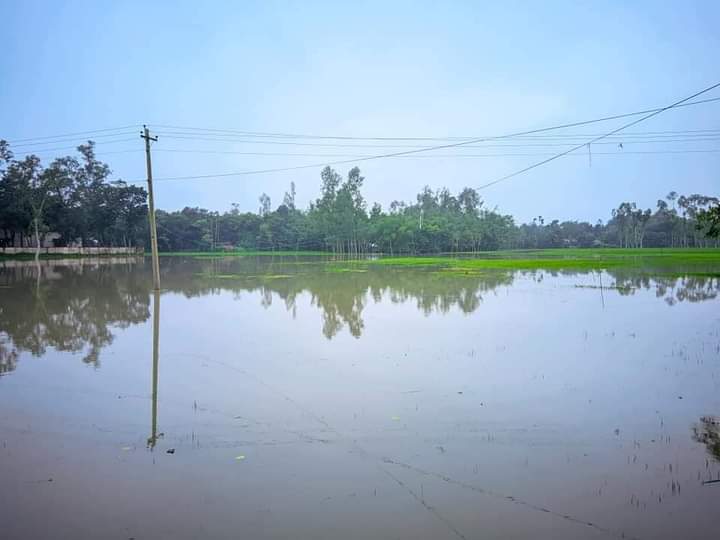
(308, 404)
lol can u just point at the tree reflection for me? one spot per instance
(72, 307)
(673, 288)
(343, 296)
(75, 306)
(8, 357)
(707, 432)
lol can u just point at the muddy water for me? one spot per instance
(272, 398)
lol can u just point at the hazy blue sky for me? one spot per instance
(371, 69)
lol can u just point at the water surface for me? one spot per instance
(275, 398)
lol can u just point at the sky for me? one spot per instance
(370, 69)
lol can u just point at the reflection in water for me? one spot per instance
(673, 289)
(152, 440)
(70, 308)
(8, 357)
(506, 418)
(707, 432)
(76, 303)
(343, 296)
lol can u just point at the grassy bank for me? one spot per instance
(705, 261)
(499, 254)
(665, 259)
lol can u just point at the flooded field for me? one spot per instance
(277, 398)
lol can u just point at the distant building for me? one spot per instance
(47, 240)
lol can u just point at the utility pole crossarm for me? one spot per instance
(145, 134)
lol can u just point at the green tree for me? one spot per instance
(708, 221)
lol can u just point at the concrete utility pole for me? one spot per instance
(145, 134)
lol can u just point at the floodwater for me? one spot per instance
(271, 398)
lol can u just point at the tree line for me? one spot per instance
(438, 221)
(73, 198)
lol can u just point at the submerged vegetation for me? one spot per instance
(681, 261)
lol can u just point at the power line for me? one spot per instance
(233, 137)
(317, 155)
(653, 112)
(65, 148)
(386, 146)
(343, 137)
(430, 156)
(666, 133)
(288, 140)
(102, 152)
(217, 133)
(697, 138)
(214, 137)
(77, 133)
(303, 154)
(596, 139)
(22, 146)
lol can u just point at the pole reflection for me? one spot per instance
(152, 440)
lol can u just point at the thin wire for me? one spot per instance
(644, 134)
(340, 137)
(546, 140)
(467, 144)
(72, 134)
(42, 150)
(283, 154)
(596, 139)
(134, 150)
(284, 135)
(71, 140)
(102, 152)
(262, 140)
(654, 112)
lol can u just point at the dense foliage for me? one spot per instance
(438, 221)
(74, 199)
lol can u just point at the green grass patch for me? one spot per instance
(686, 261)
(713, 253)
